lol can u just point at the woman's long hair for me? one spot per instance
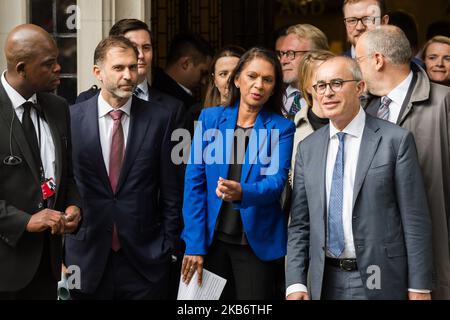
(212, 96)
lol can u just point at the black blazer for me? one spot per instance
(20, 193)
(146, 205)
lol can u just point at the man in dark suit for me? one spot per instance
(36, 181)
(186, 70)
(360, 16)
(413, 102)
(128, 183)
(139, 33)
(360, 226)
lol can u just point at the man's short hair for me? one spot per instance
(125, 25)
(189, 44)
(381, 4)
(112, 42)
(318, 39)
(391, 42)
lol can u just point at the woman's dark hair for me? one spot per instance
(212, 97)
(275, 101)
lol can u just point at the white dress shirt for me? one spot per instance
(189, 92)
(352, 143)
(398, 95)
(106, 123)
(45, 139)
(288, 99)
(144, 95)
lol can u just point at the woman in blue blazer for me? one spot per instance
(240, 157)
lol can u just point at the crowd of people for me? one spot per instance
(311, 174)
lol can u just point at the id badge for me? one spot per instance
(48, 188)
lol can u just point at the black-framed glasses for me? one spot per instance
(367, 21)
(290, 54)
(335, 85)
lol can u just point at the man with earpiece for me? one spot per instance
(38, 197)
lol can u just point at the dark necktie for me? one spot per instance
(383, 111)
(115, 163)
(296, 106)
(336, 242)
(138, 92)
(30, 131)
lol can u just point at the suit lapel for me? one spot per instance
(227, 121)
(90, 128)
(369, 145)
(256, 140)
(139, 122)
(321, 173)
(7, 112)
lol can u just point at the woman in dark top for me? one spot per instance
(240, 158)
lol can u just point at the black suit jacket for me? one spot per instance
(20, 193)
(146, 205)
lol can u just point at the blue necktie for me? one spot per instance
(335, 226)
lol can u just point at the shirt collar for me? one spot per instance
(290, 90)
(353, 52)
(189, 92)
(355, 128)
(104, 107)
(399, 93)
(16, 98)
(144, 87)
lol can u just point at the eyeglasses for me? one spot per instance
(367, 21)
(335, 85)
(290, 54)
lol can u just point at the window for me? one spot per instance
(58, 18)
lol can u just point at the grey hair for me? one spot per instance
(355, 70)
(391, 42)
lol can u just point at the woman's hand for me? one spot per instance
(192, 264)
(229, 190)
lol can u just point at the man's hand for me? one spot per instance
(45, 219)
(419, 296)
(190, 265)
(72, 217)
(229, 190)
(298, 296)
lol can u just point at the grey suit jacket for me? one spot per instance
(391, 224)
(426, 113)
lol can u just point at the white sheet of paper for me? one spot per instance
(211, 288)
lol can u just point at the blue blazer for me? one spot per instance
(263, 220)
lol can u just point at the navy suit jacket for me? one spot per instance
(146, 205)
(262, 218)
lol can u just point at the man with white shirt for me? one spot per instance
(130, 189)
(404, 95)
(139, 33)
(38, 196)
(299, 39)
(360, 227)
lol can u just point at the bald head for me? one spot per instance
(23, 42)
(31, 56)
